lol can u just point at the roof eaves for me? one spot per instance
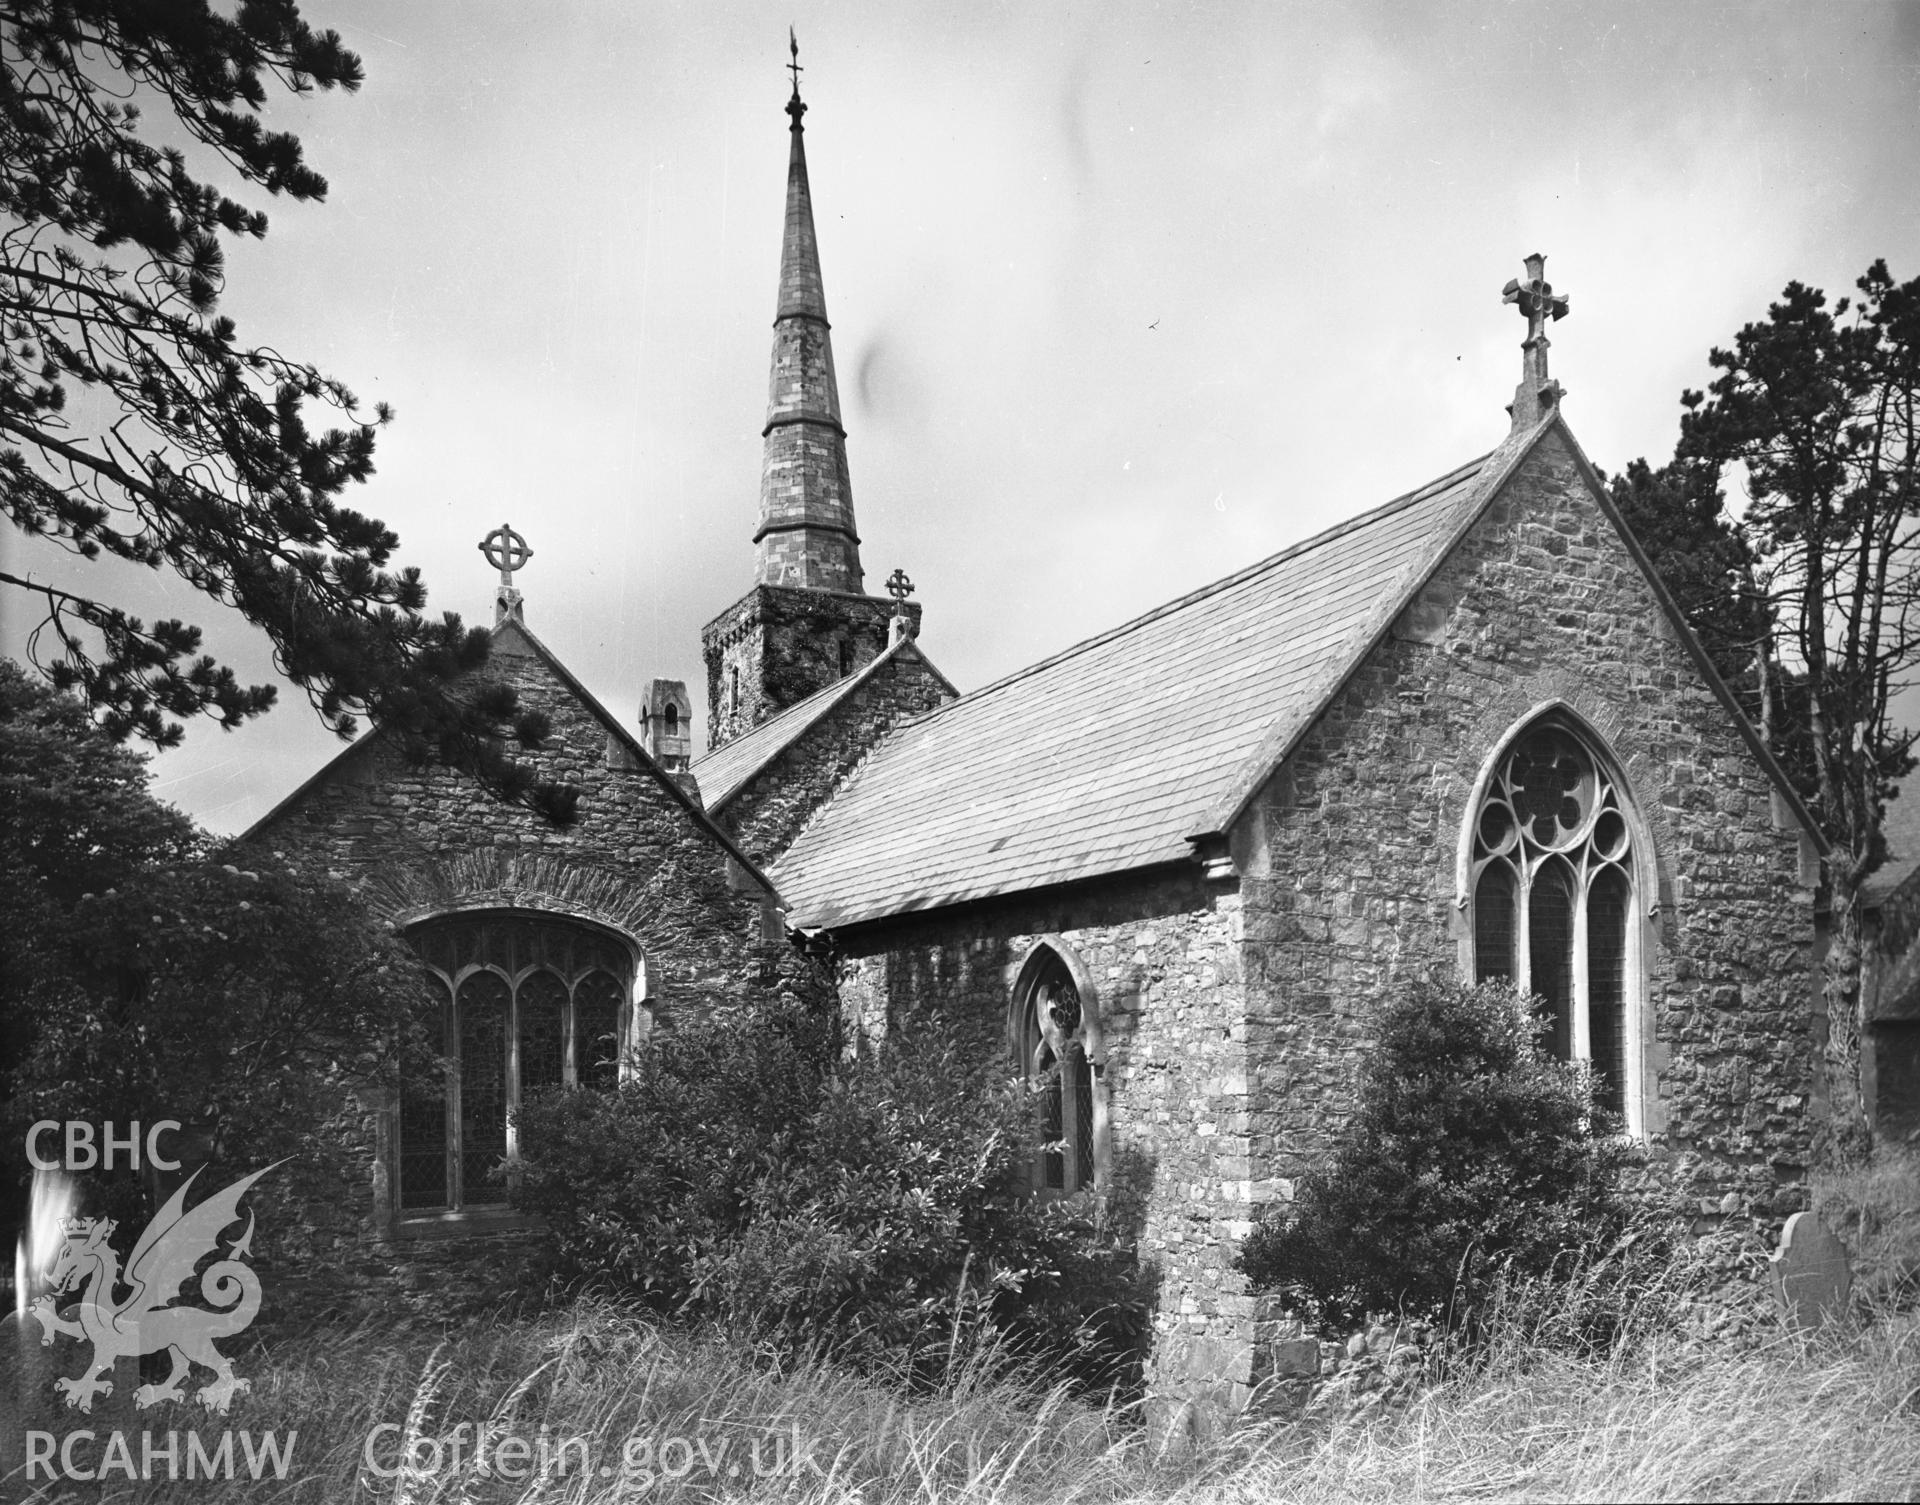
(838, 918)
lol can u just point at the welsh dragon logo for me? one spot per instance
(164, 1259)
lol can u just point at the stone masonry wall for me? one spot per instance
(766, 815)
(1162, 951)
(1349, 854)
(423, 840)
(784, 643)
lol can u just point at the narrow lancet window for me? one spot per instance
(1052, 1042)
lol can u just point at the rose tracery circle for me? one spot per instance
(1550, 785)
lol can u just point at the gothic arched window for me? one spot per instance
(1053, 1039)
(523, 1002)
(1552, 883)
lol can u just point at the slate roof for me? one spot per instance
(1903, 843)
(724, 772)
(1111, 755)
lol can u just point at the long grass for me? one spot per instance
(1668, 1408)
(1785, 1420)
(1658, 1418)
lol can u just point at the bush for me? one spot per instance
(1470, 1154)
(748, 1176)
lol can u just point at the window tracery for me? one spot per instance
(1552, 883)
(524, 1002)
(1053, 1046)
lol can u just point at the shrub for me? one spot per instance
(748, 1176)
(151, 975)
(1469, 1153)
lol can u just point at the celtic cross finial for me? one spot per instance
(507, 552)
(899, 586)
(1538, 303)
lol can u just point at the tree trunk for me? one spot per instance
(1849, 1133)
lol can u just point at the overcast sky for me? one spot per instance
(1124, 296)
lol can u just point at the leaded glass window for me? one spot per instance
(1052, 1047)
(1552, 901)
(523, 1003)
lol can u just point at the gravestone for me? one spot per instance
(1810, 1273)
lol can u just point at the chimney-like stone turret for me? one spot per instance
(666, 724)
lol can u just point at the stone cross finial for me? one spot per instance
(507, 552)
(899, 587)
(1537, 393)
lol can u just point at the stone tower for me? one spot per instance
(807, 620)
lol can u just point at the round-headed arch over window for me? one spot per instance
(1054, 1029)
(1552, 876)
(523, 1001)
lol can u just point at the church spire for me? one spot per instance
(806, 535)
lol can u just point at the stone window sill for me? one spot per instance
(452, 1225)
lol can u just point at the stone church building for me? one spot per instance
(1170, 872)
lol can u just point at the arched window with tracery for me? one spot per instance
(1552, 885)
(523, 1002)
(1054, 1036)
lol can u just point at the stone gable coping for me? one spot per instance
(1501, 468)
(1288, 732)
(807, 714)
(514, 637)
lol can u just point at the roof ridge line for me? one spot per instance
(1246, 572)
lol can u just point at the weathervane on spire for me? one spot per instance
(795, 106)
(1538, 302)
